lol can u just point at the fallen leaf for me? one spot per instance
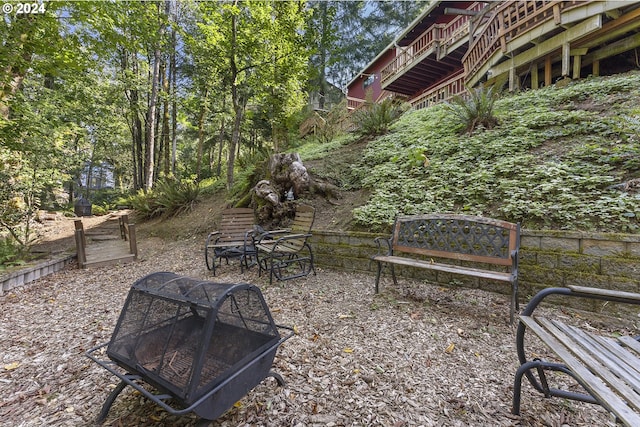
(348, 350)
(11, 366)
(450, 348)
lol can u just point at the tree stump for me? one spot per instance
(274, 198)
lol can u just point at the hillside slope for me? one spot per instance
(560, 158)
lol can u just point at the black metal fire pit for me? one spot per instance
(190, 345)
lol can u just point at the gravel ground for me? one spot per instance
(444, 357)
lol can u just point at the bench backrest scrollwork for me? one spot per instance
(460, 237)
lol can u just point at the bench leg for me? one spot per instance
(515, 304)
(393, 276)
(378, 277)
(543, 386)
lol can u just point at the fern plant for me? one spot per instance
(375, 118)
(476, 109)
(170, 197)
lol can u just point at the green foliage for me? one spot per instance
(210, 186)
(10, 253)
(558, 160)
(476, 109)
(108, 198)
(170, 197)
(252, 168)
(375, 118)
(99, 210)
(315, 149)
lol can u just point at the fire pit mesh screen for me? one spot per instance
(185, 336)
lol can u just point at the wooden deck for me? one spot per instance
(114, 242)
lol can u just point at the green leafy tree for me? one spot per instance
(261, 53)
(365, 28)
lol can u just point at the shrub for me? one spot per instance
(375, 118)
(476, 109)
(10, 253)
(169, 198)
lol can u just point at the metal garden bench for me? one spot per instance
(607, 367)
(487, 247)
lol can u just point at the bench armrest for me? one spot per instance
(607, 294)
(387, 240)
(213, 233)
(274, 245)
(582, 292)
(292, 236)
(271, 234)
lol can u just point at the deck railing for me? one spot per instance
(440, 93)
(354, 103)
(504, 21)
(406, 57)
(434, 36)
(458, 28)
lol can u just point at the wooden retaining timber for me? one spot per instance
(106, 245)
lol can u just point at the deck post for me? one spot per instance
(547, 71)
(514, 82)
(534, 76)
(566, 59)
(133, 245)
(79, 226)
(80, 252)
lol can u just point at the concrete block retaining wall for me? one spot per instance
(27, 275)
(547, 258)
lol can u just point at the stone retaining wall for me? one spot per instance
(547, 258)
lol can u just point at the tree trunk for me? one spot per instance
(235, 139)
(151, 115)
(135, 124)
(220, 145)
(174, 108)
(165, 127)
(203, 114)
(237, 111)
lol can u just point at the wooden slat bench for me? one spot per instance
(607, 368)
(491, 245)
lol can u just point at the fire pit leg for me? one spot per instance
(277, 376)
(110, 399)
